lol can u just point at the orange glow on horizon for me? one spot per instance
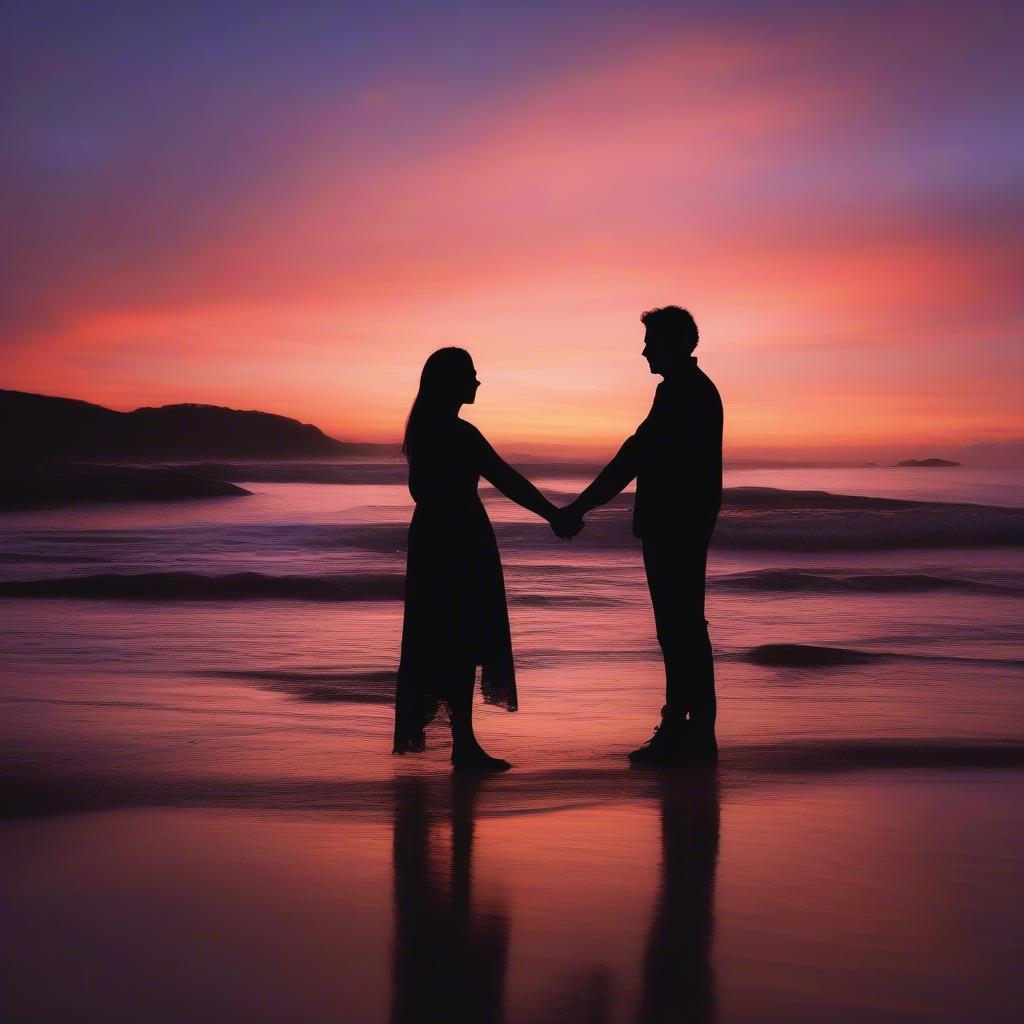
(838, 308)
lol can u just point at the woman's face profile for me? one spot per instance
(471, 385)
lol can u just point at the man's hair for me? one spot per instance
(672, 322)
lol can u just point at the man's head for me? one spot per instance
(670, 339)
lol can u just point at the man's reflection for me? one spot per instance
(450, 954)
(678, 983)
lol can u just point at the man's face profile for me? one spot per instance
(655, 351)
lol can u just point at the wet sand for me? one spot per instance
(210, 851)
(863, 882)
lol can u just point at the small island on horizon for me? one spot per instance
(928, 463)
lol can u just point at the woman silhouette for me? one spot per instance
(455, 612)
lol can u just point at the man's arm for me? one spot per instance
(609, 482)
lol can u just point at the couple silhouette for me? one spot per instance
(456, 616)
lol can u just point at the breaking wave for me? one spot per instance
(797, 581)
(242, 586)
(194, 586)
(766, 518)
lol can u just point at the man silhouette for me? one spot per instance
(676, 457)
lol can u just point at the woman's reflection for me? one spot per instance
(450, 954)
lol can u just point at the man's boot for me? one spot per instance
(668, 745)
(678, 740)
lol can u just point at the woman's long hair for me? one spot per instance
(442, 382)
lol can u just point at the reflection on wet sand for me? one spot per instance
(886, 897)
(450, 952)
(678, 980)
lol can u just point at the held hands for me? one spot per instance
(566, 522)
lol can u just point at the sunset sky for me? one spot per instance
(289, 206)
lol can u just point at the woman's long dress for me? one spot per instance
(455, 610)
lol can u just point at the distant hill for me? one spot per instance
(927, 463)
(34, 426)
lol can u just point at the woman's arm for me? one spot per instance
(510, 482)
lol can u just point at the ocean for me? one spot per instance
(204, 817)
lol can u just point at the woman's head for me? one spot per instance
(449, 377)
(447, 382)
